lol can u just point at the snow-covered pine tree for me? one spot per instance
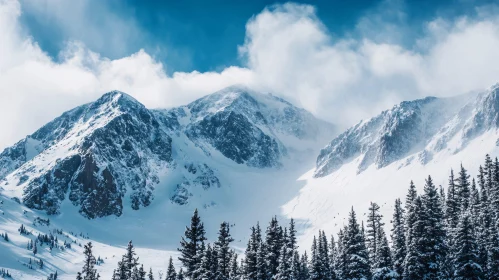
(315, 269)
(383, 266)
(206, 267)
(234, 271)
(435, 235)
(250, 256)
(398, 237)
(150, 276)
(333, 256)
(373, 223)
(285, 257)
(273, 244)
(262, 272)
(223, 251)
(171, 274)
(463, 190)
(89, 272)
(452, 202)
(191, 245)
(492, 268)
(130, 260)
(341, 258)
(324, 255)
(415, 262)
(181, 275)
(357, 257)
(484, 220)
(465, 252)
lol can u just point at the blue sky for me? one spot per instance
(203, 35)
(343, 61)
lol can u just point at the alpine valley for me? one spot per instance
(113, 170)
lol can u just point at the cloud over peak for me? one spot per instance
(287, 50)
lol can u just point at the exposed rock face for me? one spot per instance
(111, 154)
(415, 129)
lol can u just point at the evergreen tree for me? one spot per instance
(357, 265)
(234, 273)
(35, 248)
(373, 224)
(415, 262)
(150, 276)
(492, 268)
(171, 274)
(223, 251)
(250, 253)
(463, 190)
(262, 272)
(333, 256)
(304, 271)
(466, 251)
(435, 236)
(191, 245)
(452, 202)
(273, 244)
(383, 267)
(284, 268)
(316, 272)
(398, 237)
(181, 275)
(89, 272)
(207, 266)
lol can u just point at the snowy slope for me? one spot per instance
(234, 154)
(376, 159)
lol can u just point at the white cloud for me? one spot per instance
(287, 50)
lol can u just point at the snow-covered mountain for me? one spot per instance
(376, 159)
(113, 153)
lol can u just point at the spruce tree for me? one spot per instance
(415, 261)
(463, 190)
(223, 251)
(304, 271)
(466, 251)
(250, 253)
(273, 243)
(492, 268)
(171, 274)
(398, 237)
(89, 272)
(234, 271)
(435, 236)
(383, 267)
(357, 265)
(181, 275)
(191, 245)
(452, 202)
(262, 272)
(150, 276)
(373, 224)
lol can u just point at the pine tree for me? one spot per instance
(206, 267)
(357, 265)
(150, 276)
(452, 202)
(414, 262)
(466, 251)
(398, 237)
(262, 272)
(234, 273)
(383, 267)
(191, 245)
(373, 224)
(304, 271)
(250, 253)
(181, 275)
(273, 244)
(463, 190)
(130, 261)
(333, 256)
(435, 236)
(316, 272)
(492, 269)
(171, 274)
(35, 248)
(89, 272)
(223, 251)
(284, 267)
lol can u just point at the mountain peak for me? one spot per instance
(116, 99)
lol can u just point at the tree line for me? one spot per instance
(435, 234)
